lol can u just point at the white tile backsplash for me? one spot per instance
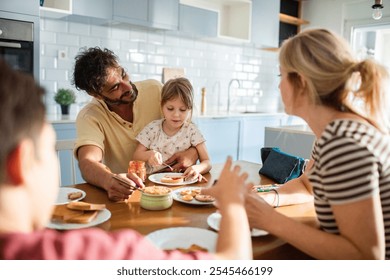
(144, 53)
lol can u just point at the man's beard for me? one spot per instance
(119, 101)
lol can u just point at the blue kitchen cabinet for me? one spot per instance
(265, 23)
(148, 13)
(91, 11)
(21, 7)
(222, 137)
(66, 131)
(198, 22)
(253, 134)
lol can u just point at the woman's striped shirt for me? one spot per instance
(351, 163)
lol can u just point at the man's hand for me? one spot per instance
(182, 160)
(118, 191)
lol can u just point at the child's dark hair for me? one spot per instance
(178, 87)
(22, 112)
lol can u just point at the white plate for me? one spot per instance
(156, 178)
(184, 237)
(101, 217)
(62, 197)
(214, 219)
(177, 196)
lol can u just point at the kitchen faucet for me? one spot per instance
(230, 84)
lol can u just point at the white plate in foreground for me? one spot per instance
(156, 178)
(101, 217)
(184, 237)
(177, 196)
(214, 219)
(62, 197)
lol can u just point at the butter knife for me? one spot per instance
(125, 183)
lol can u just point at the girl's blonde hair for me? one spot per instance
(334, 78)
(178, 87)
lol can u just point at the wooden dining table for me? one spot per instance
(129, 214)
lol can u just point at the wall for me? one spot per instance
(144, 53)
(341, 14)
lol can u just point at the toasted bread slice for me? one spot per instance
(65, 215)
(85, 206)
(84, 218)
(172, 179)
(61, 213)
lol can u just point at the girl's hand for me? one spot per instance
(155, 158)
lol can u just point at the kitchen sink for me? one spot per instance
(253, 112)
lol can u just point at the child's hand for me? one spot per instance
(230, 187)
(155, 159)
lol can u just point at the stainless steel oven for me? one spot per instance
(17, 44)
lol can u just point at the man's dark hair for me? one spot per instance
(90, 71)
(22, 111)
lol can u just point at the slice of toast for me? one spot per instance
(85, 206)
(84, 218)
(63, 214)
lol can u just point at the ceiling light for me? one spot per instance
(377, 10)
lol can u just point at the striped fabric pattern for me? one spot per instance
(352, 163)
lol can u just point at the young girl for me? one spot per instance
(160, 139)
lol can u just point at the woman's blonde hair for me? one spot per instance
(333, 77)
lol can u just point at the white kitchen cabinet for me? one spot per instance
(222, 137)
(148, 13)
(265, 23)
(252, 135)
(198, 22)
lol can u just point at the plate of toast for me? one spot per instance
(171, 179)
(78, 214)
(66, 195)
(184, 239)
(192, 195)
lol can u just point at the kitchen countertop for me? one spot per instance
(58, 118)
(237, 114)
(302, 129)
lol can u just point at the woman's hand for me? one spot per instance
(258, 210)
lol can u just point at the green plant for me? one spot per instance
(65, 96)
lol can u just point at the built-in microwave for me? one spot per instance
(17, 45)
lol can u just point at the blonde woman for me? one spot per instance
(160, 139)
(343, 102)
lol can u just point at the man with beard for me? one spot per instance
(108, 125)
